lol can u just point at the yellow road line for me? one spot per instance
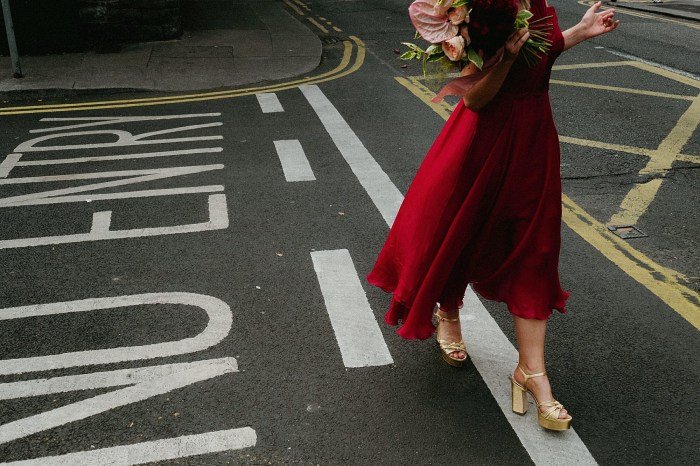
(581, 66)
(638, 200)
(607, 146)
(622, 89)
(317, 24)
(425, 94)
(666, 74)
(689, 158)
(661, 281)
(343, 69)
(294, 7)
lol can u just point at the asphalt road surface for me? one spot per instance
(183, 281)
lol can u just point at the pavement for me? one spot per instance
(263, 43)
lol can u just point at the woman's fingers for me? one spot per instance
(517, 40)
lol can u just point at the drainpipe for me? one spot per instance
(9, 28)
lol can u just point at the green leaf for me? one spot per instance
(413, 47)
(436, 56)
(410, 55)
(475, 58)
(458, 3)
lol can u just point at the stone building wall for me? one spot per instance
(112, 22)
(55, 26)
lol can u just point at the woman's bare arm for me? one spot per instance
(486, 89)
(592, 24)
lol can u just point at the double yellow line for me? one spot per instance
(352, 60)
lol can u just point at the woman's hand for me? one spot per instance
(514, 43)
(592, 24)
(595, 23)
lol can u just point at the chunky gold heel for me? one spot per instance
(547, 411)
(519, 394)
(448, 348)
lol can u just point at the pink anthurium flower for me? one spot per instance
(433, 28)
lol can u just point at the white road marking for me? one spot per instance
(269, 103)
(8, 164)
(218, 220)
(494, 357)
(124, 138)
(359, 337)
(158, 450)
(101, 121)
(218, 327)
(145, 155)
(129, 177)
(294, 162)
(99, 404)
(114, 174)
(115, 378)
(373, 179)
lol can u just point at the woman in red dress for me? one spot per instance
(485, 209)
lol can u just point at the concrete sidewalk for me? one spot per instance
(269, 44)
(684, 9)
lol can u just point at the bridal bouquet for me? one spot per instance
(466, 31)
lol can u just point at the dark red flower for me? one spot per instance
(490, 23)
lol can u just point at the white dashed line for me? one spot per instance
(269, 103)
(294, 162)
(360, 340)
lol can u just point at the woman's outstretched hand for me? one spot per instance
(595, 23)
(592, 24)
(514, 43)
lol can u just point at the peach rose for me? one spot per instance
(454, 48)
(464, 32)
(458, 15)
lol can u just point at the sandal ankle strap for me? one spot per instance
(530, 376)
(441, 318)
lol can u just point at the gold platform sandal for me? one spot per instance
(549, 418)
(447, 348)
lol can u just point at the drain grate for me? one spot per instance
(627, 231)
(330, 40)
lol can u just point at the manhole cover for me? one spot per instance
(627, 231)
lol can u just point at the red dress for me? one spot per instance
(484, 208)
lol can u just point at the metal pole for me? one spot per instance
(10, 29)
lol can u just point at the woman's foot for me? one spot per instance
(538, 386)
(449, 336)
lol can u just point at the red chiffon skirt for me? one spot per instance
(484, 208)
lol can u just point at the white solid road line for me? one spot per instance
(492, 353)
(495, 359)
(376, 183)
(158, 450)
(269, 103)
(359, 336)
(294, 162)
